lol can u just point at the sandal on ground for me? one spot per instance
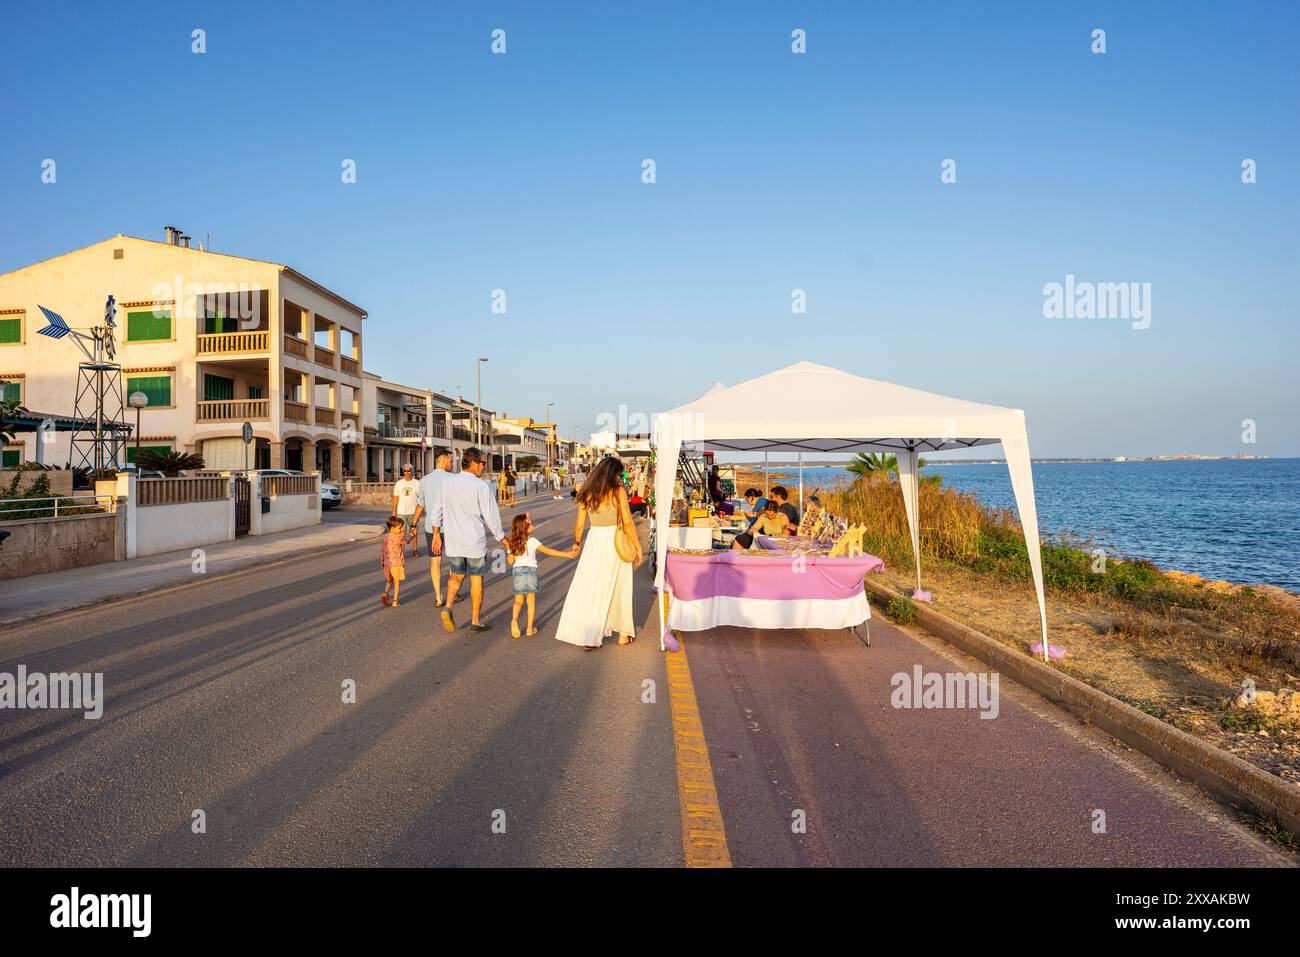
(448, 622)
(530, 632)
(384, 599)
(626, 639)
(514, 629)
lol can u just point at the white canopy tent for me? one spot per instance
(807, 407)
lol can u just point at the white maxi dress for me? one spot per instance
(599, 603)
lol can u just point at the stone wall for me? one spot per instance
(52, 544)
(60, 480)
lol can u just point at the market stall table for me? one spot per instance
(762, 589)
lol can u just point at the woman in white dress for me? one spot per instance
(600, 596)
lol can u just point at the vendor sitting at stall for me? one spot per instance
(771, 522)
(754, 502)
(782, 496)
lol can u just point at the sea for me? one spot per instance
(1232, 519)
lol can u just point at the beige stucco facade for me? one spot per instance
(246, 340)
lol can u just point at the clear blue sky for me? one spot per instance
(775, 171)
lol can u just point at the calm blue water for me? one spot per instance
(1234, 520)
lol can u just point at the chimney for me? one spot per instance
(172, 232)
(185, 241)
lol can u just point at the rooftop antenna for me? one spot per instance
(98, 395)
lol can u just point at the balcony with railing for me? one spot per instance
(233, 410)
(232, 343)
(296, 411)
(293, 346)
(326, 357)
(349, 365)
(326, 417)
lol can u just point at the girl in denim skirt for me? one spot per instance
(521, 553)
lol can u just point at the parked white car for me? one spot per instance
(330, 494)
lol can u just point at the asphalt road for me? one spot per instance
(226, 697)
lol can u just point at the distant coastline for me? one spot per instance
(1045, 460)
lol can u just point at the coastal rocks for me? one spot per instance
(1276, 710)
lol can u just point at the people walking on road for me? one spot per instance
(464, 511)
(392, 558)
(521, 553)
(556, 481)
(501, 487)
(405, 490)
(600, 596)
(430, 492)
(512, 478)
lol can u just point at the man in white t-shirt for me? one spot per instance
(405, 491)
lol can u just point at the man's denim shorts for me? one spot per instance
(474, 567)
(525, 580)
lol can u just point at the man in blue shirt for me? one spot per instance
(430, 494)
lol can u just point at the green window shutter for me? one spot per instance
(217, 387)
(160, 449)
(144, 326)
(13, 458)
(158, 388)
(13, 392)
(218, 324)
(254, 391)
(11, 330)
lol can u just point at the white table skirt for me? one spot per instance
(705, 613)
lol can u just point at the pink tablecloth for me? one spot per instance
(754, 591)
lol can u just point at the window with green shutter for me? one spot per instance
(218, 323)
(255, 392)
(217, 387)
(160, 449)
(157, 387)
(13, 458)
(13, 391)
(11, 329)
(144, 326)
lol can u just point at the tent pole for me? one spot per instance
(800, 483)
(916, 497)
(764, 475)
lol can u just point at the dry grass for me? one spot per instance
(1171, 644)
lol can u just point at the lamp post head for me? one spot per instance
(138, 400)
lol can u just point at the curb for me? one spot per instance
(1218, 771)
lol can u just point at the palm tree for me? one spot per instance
(877, 463)
(170, 464)
(10, 409)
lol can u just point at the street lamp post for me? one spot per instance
(137, 401)
(551, 436)
(478, 402)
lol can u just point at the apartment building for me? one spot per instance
(520, 437)
(213, 340)
(406, 424)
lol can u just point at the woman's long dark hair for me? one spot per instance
(603, 481)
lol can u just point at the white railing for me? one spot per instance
(63, 506)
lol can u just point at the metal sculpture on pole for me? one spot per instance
(99, 439)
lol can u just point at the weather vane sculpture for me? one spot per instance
(100, 436)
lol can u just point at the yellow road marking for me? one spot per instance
(704, 839)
